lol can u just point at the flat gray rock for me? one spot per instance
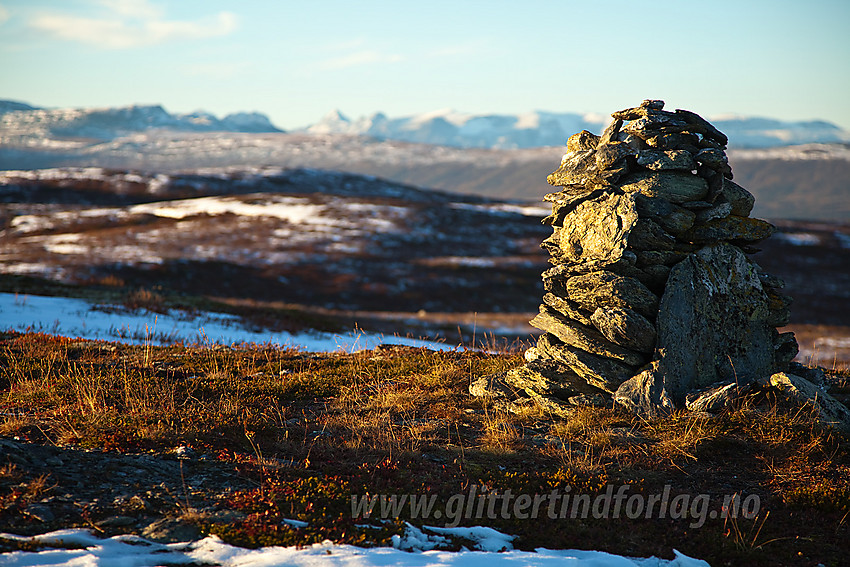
(547, 378)
(672, 218)
(577, 168)
(829, 410)
(644, 394)
(625, 327)
(675, 186)
(606, 289)
(596, 230)
(597, 371)
(583, 140)
(567, 308)
(648, 235)
(171, 530)
(715, 398)
(733, 227)
(492, 386)
(583, 337)
(741, 199)
(660, 160)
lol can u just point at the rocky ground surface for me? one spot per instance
(147, 493)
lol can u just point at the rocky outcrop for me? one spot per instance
(652, 300)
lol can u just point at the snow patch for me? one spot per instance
(136, 551)
(484, 538)
(505, 209)
(80, 319)
(66, 248)
(799, 238)
(292, 209)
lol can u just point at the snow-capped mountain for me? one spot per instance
(18, 119)
(536, 129)
(20, 122)
(450, 128)
(755, 132)
(12, 106)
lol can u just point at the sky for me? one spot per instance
(297, 60)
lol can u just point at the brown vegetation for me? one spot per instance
(308, 431)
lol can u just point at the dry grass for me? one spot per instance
(398, 419)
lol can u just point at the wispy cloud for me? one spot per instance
(131, 23)
(4, 15)
(357, 59)
(142, 9)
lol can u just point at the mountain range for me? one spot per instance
(803, 181)
(537, 129)
(20, 121)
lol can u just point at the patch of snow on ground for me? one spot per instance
(292, 209)
(66, 248)
(25, 268)
(833, 342)
(799, 238)
(77, 318)
(37, 223)
(31, 223)
(138, 552)
(484, 538)
(792, 153)
(506, 209)
(295, 210)
(468, 261)
(129, 253)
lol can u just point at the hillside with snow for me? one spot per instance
(494, 156)
(401, 257)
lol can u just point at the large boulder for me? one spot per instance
(713, 324)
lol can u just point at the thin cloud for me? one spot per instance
(4, 15)
(133, 8)
(357, 59)
(131, 23)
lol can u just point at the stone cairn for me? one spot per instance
(652, 303)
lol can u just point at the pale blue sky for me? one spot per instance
(297, 60)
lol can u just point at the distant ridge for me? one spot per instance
(13, 106)
(539, 129)
(20, 119)
(445, 127)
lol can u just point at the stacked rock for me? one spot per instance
(652, 296)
